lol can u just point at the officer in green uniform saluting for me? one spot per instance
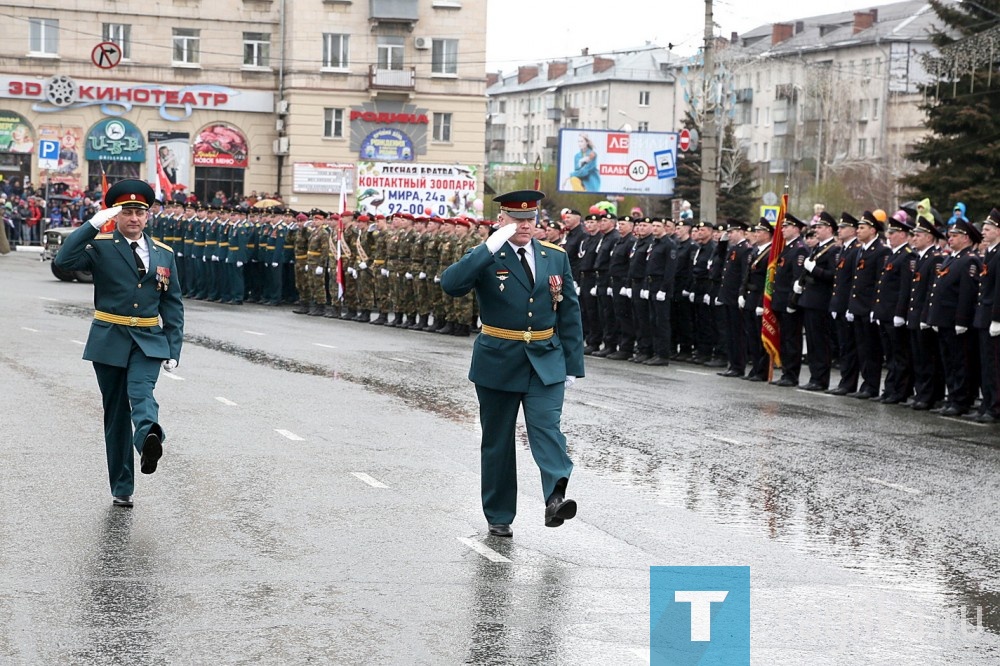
(134, 288)
(530, 350)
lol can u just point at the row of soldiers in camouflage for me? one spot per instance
(273, 256)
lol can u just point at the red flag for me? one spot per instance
(340, 238)
(770, 333)
(162, 182)
(110, 225)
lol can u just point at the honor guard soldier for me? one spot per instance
(951, 309)
(621, 289)
(734, 271)
(790, 268)
(588, 284)
(928, 370)
(867, 266)
(682, 312)
(987, 322)
(127, 342)
(892, 298)
(662, 260)
(608, 235)
(753, 301)
(637, 285)
(815, 289)
(847, 351)
(529, 351)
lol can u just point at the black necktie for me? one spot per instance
(527, 268)
(138, 259)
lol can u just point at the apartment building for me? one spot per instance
(286, 96)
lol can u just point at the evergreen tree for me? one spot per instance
(962, 153)
(687, 185)
(737, 183)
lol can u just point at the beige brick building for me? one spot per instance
(246, 95)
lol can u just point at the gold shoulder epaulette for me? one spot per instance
(163, 245)
(104, 236)
(552, 245)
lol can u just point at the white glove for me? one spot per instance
(306, 268)
(180, 254)
(685, 293)
(102, 216)
(422, 276)
(934, 328)
(593, 291)
(759, 312)
(994, 329)
(437, 279)
(610, 292)
(960, 330)
(809, 265)
(849, 316)
(577, 290)
(706, 299)
(385, 272)
(797, 288)
(628, 292)
(169, 365)
(570, 379)
(499, 237)
(661, 296)
(834, 315)
(691, 296)
(898, 321)
(718, 301)
(741, 301)
(319, 270)
(239, 264)
(871, 317)
(362, 265)
(352, 273)
(924, 326)
(790, 310)
(274, 265)
(644, 294)
(215, 257)
(408, 276)
(623, 292)
(204, 258)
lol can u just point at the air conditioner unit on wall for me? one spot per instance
(421, 43)
(280, 145)
(281, 107)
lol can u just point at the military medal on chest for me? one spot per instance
(162, 278)
(555, 288)
(502, 275)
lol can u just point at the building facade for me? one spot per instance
(293, 97)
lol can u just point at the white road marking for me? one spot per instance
(724, 439)
(823, 394)
(400, 360)
(604, 407)
(642, 653)
(33, 330)
(972, 423)
(226, 401)
(695, 372)
(289, 434)
(374, 483)
(895, 486)
(46, 298)
(320, 344)
(78, 342)
(253, 332)
(176, 378)
(488, 553)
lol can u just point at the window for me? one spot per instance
(756, 87)
(256, 49)
(875, 109)
(503, 106)
(862, 109)
(878, 66)
(862, 147)
(643, 98)
(390, 52)
(764, 158)
(336, 50)
(120, 34)
(643, 125)
(333, 123)
(753, 153)
(44, 36)
(442, 127)
(186, 46)
(444, 56)
(767, 116)
(756, 119)
(604, 99)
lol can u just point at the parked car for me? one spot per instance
(53, 241)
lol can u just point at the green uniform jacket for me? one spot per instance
(119, 291)
(505, 365)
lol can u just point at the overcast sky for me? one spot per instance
(520, 31)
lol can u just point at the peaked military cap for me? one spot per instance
(763, 224)
(967, 228)
(826, 218)
(847, 220)
(130, 193)
(791, 219)
(993, 218)
(869, 218)
(736, 223)
(520, 204)
(923, 225)
(593, 217)
(899, 222)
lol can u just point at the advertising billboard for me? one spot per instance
(445, 190)
(612, 162)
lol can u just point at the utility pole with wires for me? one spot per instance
(709, 142)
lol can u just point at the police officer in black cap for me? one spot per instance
(928, 371)
(621, 289)
(608, 237)
(752, 300)
(789, 270)
(736, 265)
(847, 351)
(951, 309)
(987, 322)
(637, 290)
(815, 288)
(870, 256)
(892, 297)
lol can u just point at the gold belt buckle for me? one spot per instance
(527, 336)
(133, 321)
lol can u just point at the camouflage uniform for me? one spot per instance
(432, 267)
(381, 284)
(404, 304)
(418, 243)
(299, 237)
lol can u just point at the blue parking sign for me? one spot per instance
(48, 149)
(699, 616)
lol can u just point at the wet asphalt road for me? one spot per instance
(318, 503)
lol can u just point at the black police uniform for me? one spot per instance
(817, 292)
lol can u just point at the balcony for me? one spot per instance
(498, 119)
(391, 79)
(786, 92)
(782, 128)
(554, 113)
(778, 166)
(405, 12)
(498, 145)
(551, 142)
(744, 95)
(571, 112)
